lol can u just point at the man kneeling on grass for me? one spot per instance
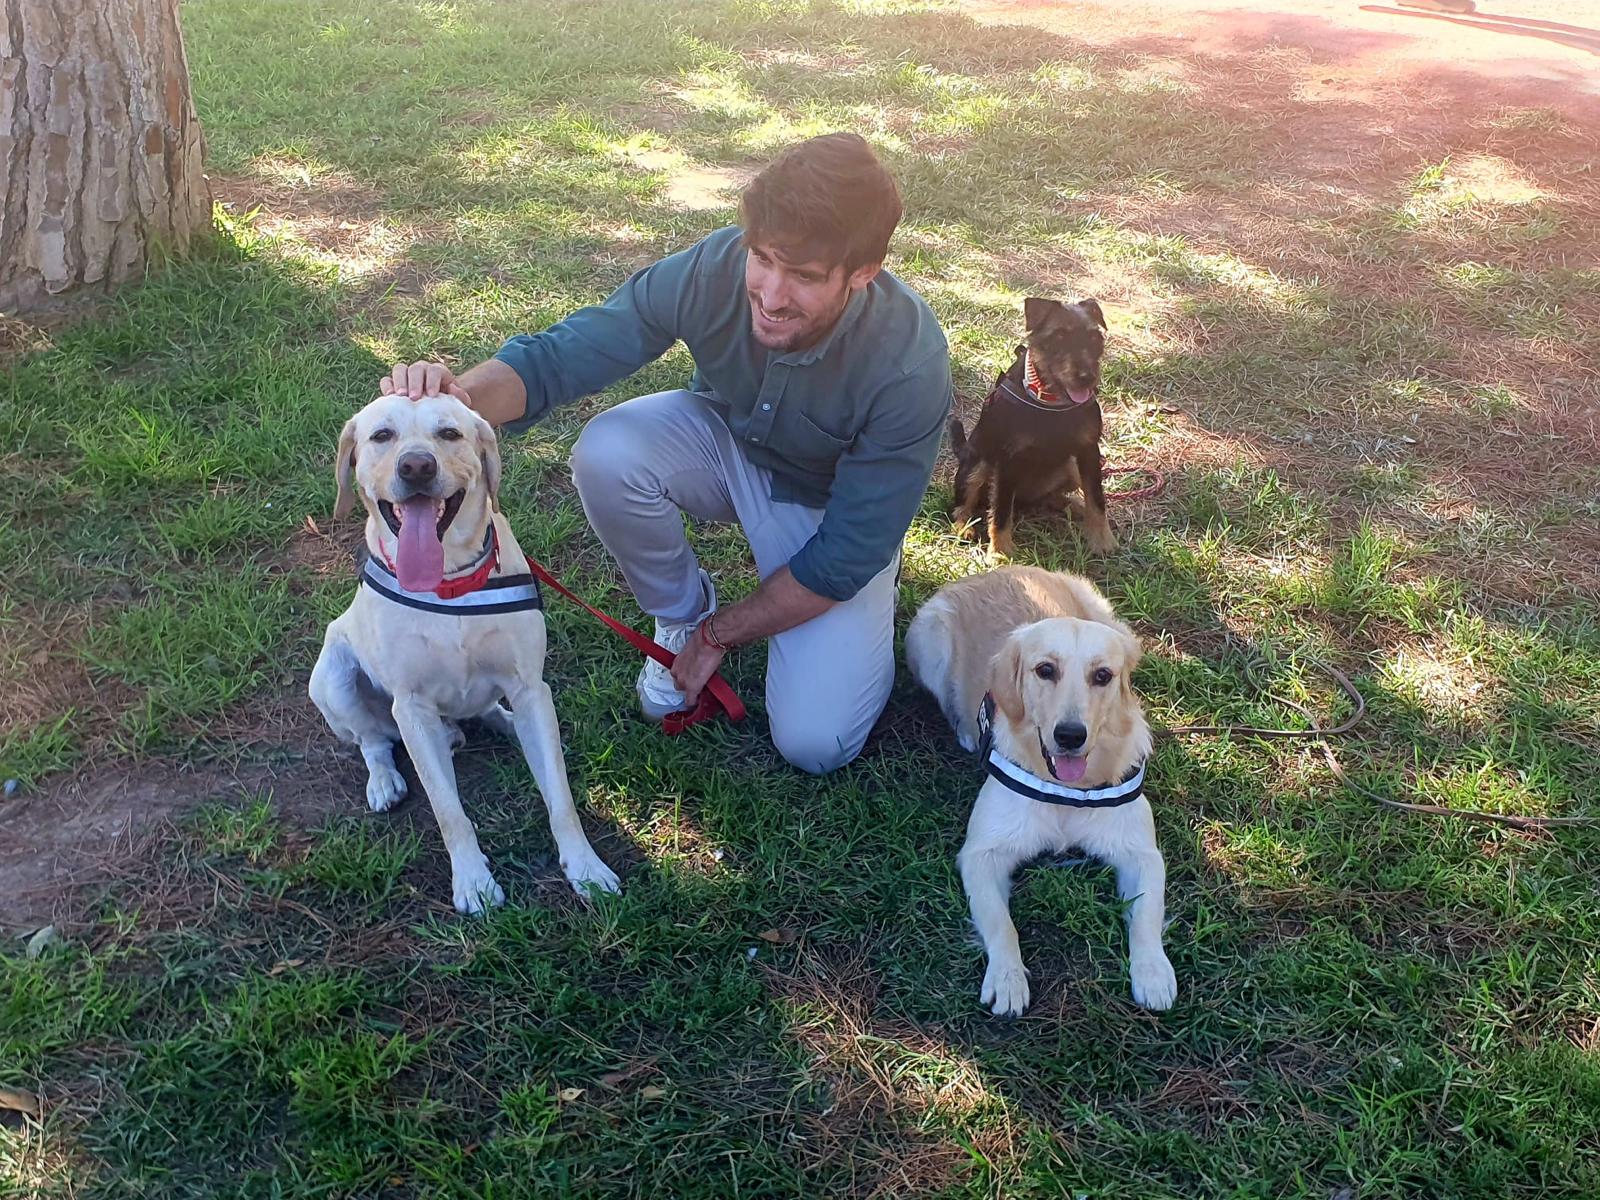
(821, 387)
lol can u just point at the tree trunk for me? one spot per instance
(100, 148)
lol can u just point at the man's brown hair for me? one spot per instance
(827, 199)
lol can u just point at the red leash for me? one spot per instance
(716, 698)
(1158, 481)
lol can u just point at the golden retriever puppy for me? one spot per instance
(446, 623)
(1033, 668)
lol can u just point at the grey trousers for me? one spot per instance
(642, 464)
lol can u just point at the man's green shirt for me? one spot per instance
(850, 425)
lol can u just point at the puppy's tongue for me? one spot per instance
(1069, 768)
(419, 558)
(1080, 395)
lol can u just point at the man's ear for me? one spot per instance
(344, 470)
(1034, 311)
(1005, 681)
(489, 455)
(863, 275)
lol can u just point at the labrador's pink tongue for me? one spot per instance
(1069, 767)
(419, 558)
(1081, 395)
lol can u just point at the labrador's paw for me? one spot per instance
(1005, 989)
(588, 874)
(475, 888)
(1155, 984)
(386, 787)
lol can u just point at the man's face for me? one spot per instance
(794, 304)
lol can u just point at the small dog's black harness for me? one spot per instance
(1025, 395)
(1047, 791)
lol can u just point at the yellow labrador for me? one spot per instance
(1032, 667)
(445, 625)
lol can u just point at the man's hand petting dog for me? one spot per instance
(422, 379)
(696, 663)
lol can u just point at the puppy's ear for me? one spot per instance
(489, 454)
(1092, 307)
(1034, 311)
(1005, 681)
(1132, 652)
(344, 470)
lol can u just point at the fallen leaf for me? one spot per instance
(614, 1079)
(312, 525)
(652, 1092)
(784, 936)
(568, 1095)
(19, 1100)
(286, 965)
(42, 940)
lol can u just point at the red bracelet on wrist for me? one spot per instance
(709, 636)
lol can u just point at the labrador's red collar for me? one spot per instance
(470, 580)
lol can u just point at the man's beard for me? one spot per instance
(803, 336)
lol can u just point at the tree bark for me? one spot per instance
(100, 148)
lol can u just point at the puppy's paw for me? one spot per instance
(999, 556)
(588, 875)
(968, 529)
(457, 738)
(386, 787)
(1155, 984)
(475, 888)
(1005, 989)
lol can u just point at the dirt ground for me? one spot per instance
(1363, 86)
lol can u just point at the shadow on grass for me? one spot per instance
(1358, 312)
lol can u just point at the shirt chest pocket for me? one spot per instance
(797, 437)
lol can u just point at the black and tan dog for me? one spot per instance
(1038, 436)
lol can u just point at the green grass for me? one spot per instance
(264, 1004)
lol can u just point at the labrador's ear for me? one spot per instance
(344, 470)
(1005, 681)
(489, 454)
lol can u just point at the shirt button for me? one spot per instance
(766, 408)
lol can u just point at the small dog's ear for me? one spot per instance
(489, 454)
(344, 470)
(1005, 681)
(1034, 311)
(1092, 307)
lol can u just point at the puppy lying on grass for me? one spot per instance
(1033, 669)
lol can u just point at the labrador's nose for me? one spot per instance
(417, 468)
(1071, 735)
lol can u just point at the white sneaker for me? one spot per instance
(658, 694)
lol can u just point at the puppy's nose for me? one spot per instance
(417, 467)
(1071, 735)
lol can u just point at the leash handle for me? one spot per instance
(716, 698)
